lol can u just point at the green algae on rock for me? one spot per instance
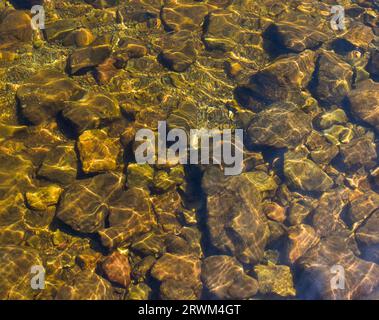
(275, 279)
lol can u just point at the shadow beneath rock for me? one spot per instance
(25, 4)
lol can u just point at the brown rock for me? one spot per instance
(117, 268)
(302, 237)
(16, 26)
(363, 206)
(86, 286)
(304, 174)
(97, 151)
(88, 57)
(183, 269)
(334, 78)
(225, 278)
(359, 35)
(45, 94)
(359, 153)
(79, 38)
(274, 211)
(179, 51)
(281, 125)
(180, 16)
(364, 102)
(323, 265)
(235, 220)
(327, 215)
(284, 78)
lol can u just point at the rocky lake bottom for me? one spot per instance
(301, 221)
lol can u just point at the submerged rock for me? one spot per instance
(362, 206)
(322, 264)
(129, 48)
(368, 232)
(174, 290)
(167, 208)
(86, 286)
(43, 97)
(321, 151)
(179, 51)
(85, 203)
(225, 278)
(304, 174)
(359, 152)
(275, 279)
(330, 118)
(364, 102)
(91, 112)
(15, 265)
(359, 35)
(236, 222)
(60, 29)
(88, 57)
(228, 31)
(301, 238)
(60, 165)
(299, 211)
(182, 271)
(182, 16)
(284, 78)
(298, 35)
(334, 78)
(373, 66)
(327, 215)
(98, 152)
(339, 134)
(43, 197)
(130, 215)
(149, 243)
(15, 26)
(281, 125)
(184, 117)
(140, 291)
(140, 175)
(274, 211)
(117, 269)
(80, 38)
(101, 4)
